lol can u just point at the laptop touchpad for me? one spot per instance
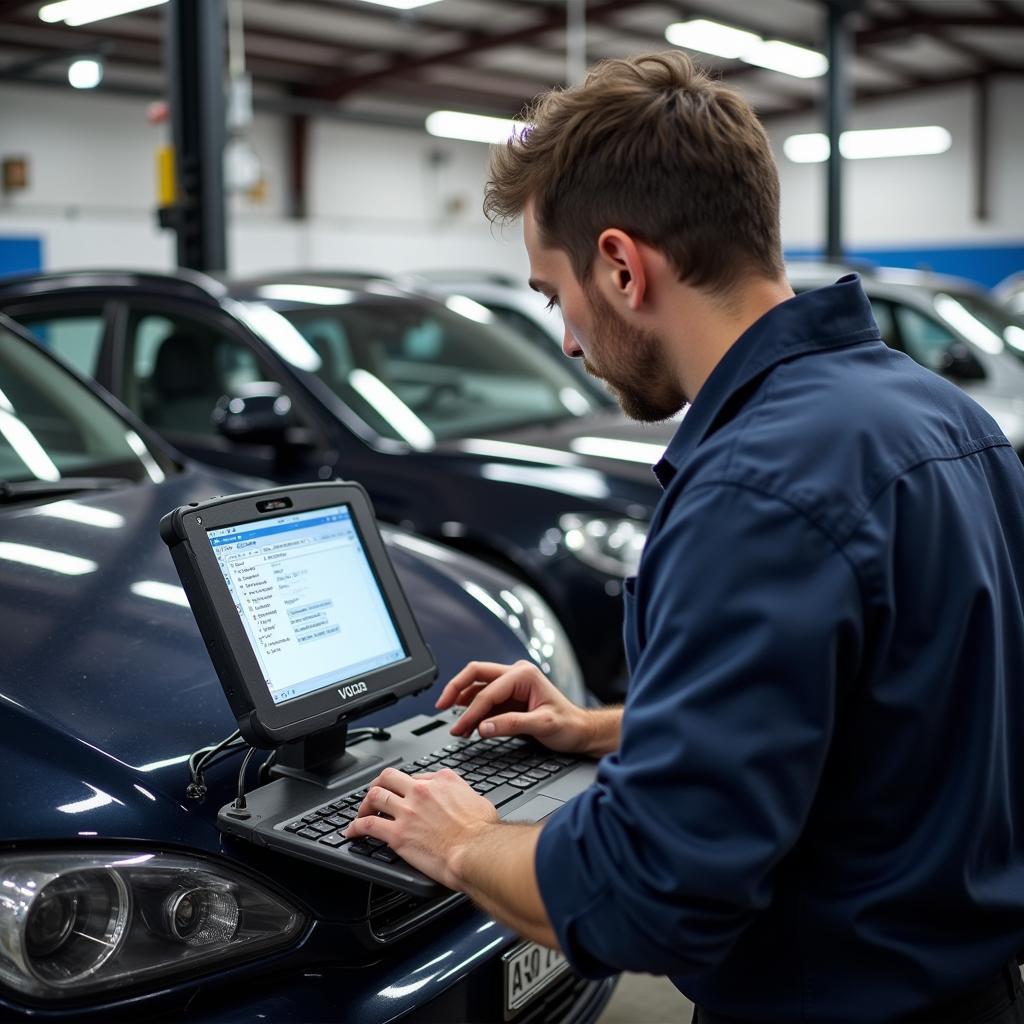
(533, 810)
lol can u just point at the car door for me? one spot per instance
(926, 339)
(73, 328)
(174, 365)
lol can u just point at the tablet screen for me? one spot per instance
(309, 601)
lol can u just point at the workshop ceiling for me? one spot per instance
(492, 56)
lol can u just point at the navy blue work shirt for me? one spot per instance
(816, 812)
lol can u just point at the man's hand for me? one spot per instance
(515, 700)
(438, 824)
(431, 818)
(519, 700)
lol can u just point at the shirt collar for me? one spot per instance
(830, 317)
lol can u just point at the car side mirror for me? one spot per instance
(958, 362)
(256, 413)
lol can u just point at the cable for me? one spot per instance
(240, 799)
(203, 758)
(264, 770)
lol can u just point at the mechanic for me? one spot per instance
(811, 807)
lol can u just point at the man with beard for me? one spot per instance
(811, 807)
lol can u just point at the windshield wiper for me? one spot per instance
(25, 490)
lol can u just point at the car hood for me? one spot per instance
(604, 443)
(105, 685)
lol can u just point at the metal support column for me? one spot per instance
(194, 57)
(982, 146)
(837, 105)
(575, 41)
(298, 138)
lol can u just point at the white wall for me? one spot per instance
(383, 199)
(378, 198)
(916, 200)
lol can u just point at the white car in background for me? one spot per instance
(1010, 294)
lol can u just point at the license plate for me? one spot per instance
(528, 969)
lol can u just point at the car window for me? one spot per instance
(76, 337)
(52, 426)
(989, 326)
(418, 372)
(884, 318)
(522, 324)
(924, 338)
(178, 367)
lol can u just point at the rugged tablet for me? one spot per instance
(299, 606)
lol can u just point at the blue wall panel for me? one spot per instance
(18, 255)
(987, 265)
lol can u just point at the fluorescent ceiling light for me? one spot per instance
(453, 124)
(738, 44)
(787, 58)
(85, 73)
(84, 12)
(401, 5)
(711, 37)
(873, 144)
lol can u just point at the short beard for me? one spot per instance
(633, 365)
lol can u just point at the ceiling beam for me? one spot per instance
(137, 47)
(475, 42)
(986, 63)
(868, 96)
(881, 30)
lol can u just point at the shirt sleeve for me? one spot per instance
(749, 624)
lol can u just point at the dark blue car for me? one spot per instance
(457, 428)
(119, 899)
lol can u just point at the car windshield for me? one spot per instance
(56, 436)
(420, 373)
(984, 322)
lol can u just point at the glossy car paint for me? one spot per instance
(498, 496)
(106, 687)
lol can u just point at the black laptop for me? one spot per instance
(308, 628)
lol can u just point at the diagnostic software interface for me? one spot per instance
(308, 599)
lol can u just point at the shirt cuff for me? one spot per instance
(567, 888)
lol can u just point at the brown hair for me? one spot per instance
(653, 146)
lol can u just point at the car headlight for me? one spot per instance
(76, 923)
(611, 546)
(531, 619)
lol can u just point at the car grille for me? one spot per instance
(557, 1002)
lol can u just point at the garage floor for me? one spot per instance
(643, 999)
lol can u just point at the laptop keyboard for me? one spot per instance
(500, 769)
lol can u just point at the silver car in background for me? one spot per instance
(947, 324)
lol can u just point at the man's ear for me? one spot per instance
(620, 267)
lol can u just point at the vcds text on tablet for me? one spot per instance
(299, 606)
